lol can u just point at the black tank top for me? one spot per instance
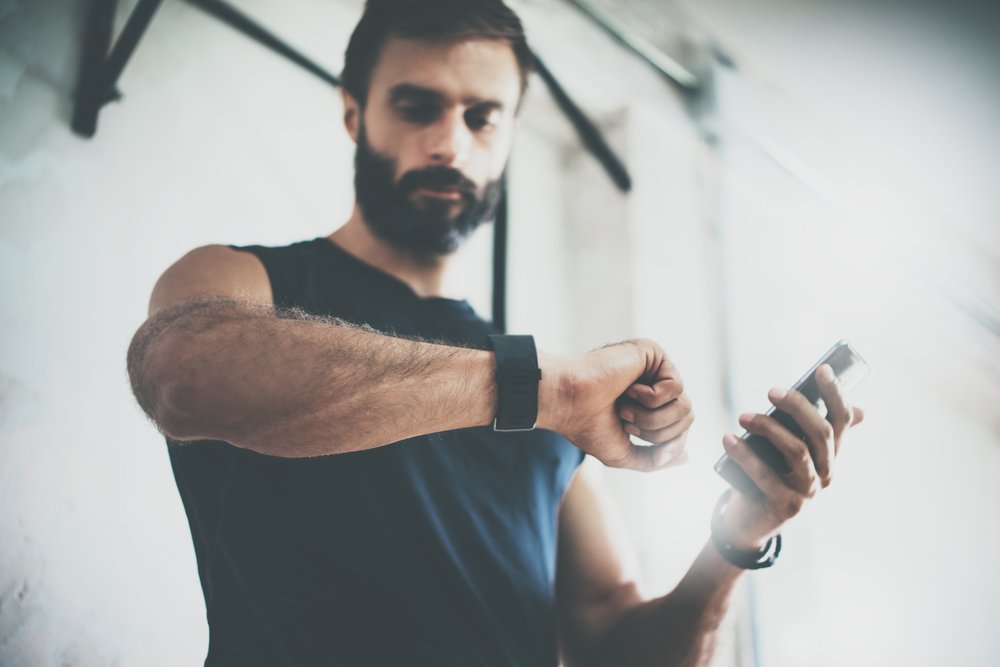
(438, 550)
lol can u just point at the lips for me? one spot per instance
(442, 184)
(452, 193)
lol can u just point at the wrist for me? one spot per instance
(736, 531)
(741, 541)
(746, 552)
(554, 392)
(483, 395)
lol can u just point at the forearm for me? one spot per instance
(678, 629)
(300, 387)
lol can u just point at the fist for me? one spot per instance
(628, 389)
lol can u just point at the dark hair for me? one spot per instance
(431, 20)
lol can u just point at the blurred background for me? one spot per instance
(802, 171)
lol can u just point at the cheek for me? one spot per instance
(490, 160)
(400, 148)
(501, 152)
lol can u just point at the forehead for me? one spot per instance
(474, 69)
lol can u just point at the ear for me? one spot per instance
(352, 114)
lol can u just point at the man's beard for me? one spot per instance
(430, 228)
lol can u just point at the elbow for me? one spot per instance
(177, 415)
(160, 373)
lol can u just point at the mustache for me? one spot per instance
(436, 178)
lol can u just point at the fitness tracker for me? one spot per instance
(517, 378)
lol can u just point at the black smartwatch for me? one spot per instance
(517, 377)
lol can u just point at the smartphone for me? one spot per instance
(848, 367)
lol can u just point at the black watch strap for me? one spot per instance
(517, 377)
(748, 560)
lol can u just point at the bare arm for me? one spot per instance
(233, 371)
(604, 619)
(215, 361)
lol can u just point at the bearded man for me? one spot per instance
(374, 476)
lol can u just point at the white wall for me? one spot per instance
(217, 140)
(857, 142)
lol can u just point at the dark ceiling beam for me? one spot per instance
(240, 22)
(99, 70)
(675, 72)
(589, 134)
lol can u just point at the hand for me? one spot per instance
(608, 394)
(750, 520)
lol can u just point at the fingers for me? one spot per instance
(782, 501)
(653, 420)
(802, 475)
(647, 458)
(838, 413)
(858, 415)
(818, 431)
(658, 394)
(662, 435)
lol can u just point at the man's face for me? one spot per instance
(432, 141)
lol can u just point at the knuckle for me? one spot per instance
(826, 430)
(793, 505)
(613, 462)
(618, 460)
(793, 397)
(802, 457)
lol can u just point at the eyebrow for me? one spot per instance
(409, 91)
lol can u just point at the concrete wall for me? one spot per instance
(217, 140)
(723, 255)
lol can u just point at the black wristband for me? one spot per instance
(517, 377)
(748, 560)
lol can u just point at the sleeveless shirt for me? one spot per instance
(438, 550)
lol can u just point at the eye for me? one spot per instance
(482, 119)
(418, 112)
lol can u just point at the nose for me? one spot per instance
(448, 141)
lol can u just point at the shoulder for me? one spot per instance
(212, 271)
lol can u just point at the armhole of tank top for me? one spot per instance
(286, 271)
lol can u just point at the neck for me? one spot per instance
(424, 278)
